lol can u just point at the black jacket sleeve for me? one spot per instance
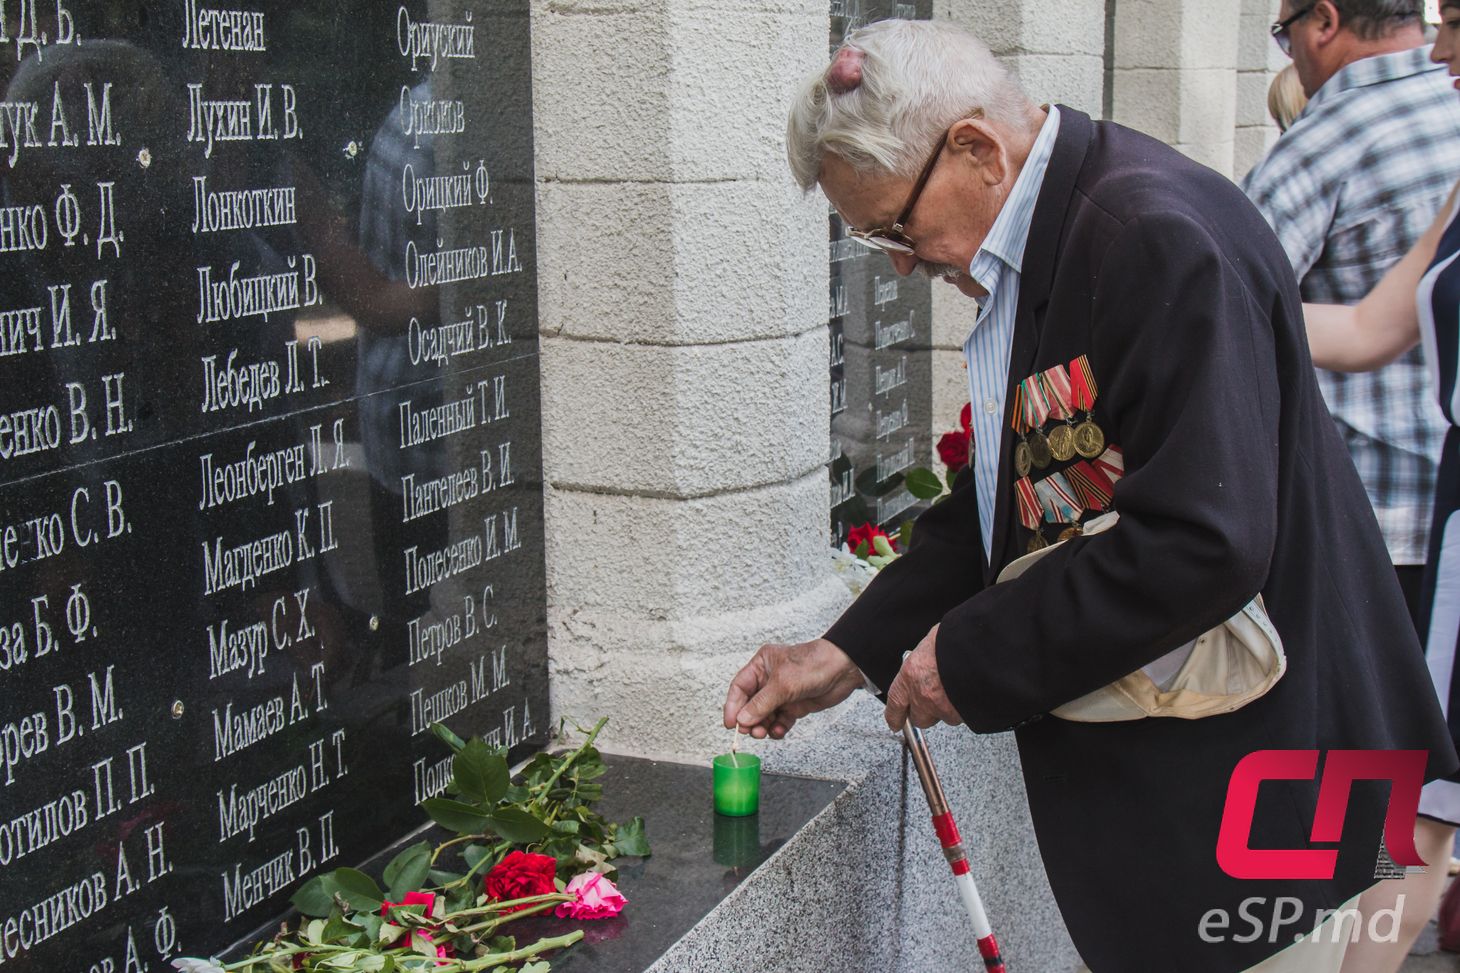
(1186, 364)
(941, 568)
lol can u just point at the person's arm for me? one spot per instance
(1385, 324)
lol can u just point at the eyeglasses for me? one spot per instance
(892, 239)
(1280, 32)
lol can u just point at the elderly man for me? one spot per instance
(1139, 301)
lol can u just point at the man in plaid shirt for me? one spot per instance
(1349, 188)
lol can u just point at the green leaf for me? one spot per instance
(542, 966)
(566, 827)
(447, 737)
(904, 535)
(370, 924)
(473, 854)
(440, 877)
(359, 889)
(516, 826)
(884, 547)
(316, 897)
(923, 483)
(863, 549)
(455, 816)
(337, 928)
(481, 775)
(408, 870)
(631, 839)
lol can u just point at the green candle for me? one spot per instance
(737, 784)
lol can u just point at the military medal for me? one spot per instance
(1029, 512)
(1093, 488)
(1056, 383)
(1039, 451)
(1089, 439)
(1023, 460)
(1111, 463)
(1033, 412)
(1058, 500)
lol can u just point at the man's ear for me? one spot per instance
(1327, 21)
(983, 146)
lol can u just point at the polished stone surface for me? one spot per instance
(699, 858)
(881, 364)
(270, 471)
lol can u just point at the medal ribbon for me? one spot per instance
(1058, 499)
(1035, 405)
(1082, 384)
(1056, 382)
(1111, 463)
(1028, 503)
(1093, 488)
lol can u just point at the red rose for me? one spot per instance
(428, 900)
(521, 875)
(953, 449)
(965, 417)
(866, 532)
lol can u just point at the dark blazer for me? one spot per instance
(1236, 482)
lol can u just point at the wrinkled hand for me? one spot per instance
(917, 692)
(783, 683)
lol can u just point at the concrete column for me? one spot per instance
(683, 292)
(1258, 59)
(1176, 74)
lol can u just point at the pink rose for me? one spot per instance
(596, 898)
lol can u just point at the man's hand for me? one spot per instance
(783, 683)
(917, 692)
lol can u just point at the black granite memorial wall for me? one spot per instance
(881, 363)
(270, 457)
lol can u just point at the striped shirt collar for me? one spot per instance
(1373, 70)
(1007, 237)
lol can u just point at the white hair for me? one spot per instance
(918, 78)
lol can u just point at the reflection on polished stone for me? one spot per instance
(699, 857)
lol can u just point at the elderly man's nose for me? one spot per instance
(904, 263)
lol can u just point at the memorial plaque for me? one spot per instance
(270, 454)
(881, 363)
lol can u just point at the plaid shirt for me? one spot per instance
(1349, 189)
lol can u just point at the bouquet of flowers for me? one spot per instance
(520, 848)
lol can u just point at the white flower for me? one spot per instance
(189, 965)
(854, 572)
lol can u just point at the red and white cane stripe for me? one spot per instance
(952, 843)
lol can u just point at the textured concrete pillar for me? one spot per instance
(1258, 59)
(1176, 74)
(683, 308)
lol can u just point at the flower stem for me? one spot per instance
(454, 841)
(547, 786)
(526, 952)
(507, 917)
